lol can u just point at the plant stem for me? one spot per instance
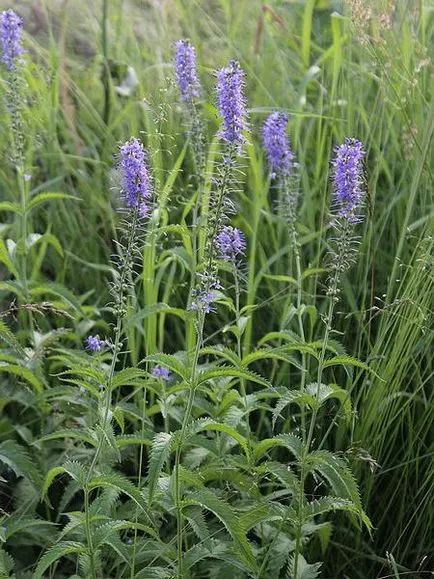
(186, 418)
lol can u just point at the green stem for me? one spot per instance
(185, 421)
(116, 348)
(89, 533)
(306, 446)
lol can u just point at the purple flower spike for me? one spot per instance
(276, 144)
(186, 71)
(232, 103)
(136, 179)
(161, 372)
(230, 243)
(348, 179)
(94, 344)
(11, 27)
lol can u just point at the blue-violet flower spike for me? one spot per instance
(186, 70)
(232, 103)
(94, 344)
(136, 178)
(11, 27)
(348, 179)
(276, 144)
(161, 372)
(230, 243)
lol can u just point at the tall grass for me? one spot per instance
(335, 74)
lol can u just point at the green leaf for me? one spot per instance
(291, 442)
(129, 377)
(220, 427)
(58, 290)
(172, 363)
(123, 485)
(262, 513)
(49, 478)
(77, 471)
(76, 433)
(160, 452)
(55, 553)
(280, 353)
(8, 206)
(19, 460)
(293, 397)
(153, 573)
(324, 505)
(7, 336)
(6, 259)
(23, 373)
(339, 476)
(225, 513)
(304, 569)
(347, 361)
(282, 278)
(44, 197)
(231, 372)
(327, 392)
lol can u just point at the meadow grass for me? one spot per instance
(336, 73)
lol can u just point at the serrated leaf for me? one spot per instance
(347, 361)
(76, 433)
(280, 353)
(16, 457)
(220, 427)
(304, 569)
(329, 391)
(7, 336)
(77, 471)
(13, 207)
(23, 373)
(6, 260)
(128, 377)
(302, 398)
(49, 478)
(224, 512)
(123, 485)
(293, 443)
(55, 553)
(231, 372)
(172, 363)
(49, 196)
(160, 452)
(339, 476)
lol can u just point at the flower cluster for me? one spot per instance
(205, 294)
(136, 178)
(348, 179)
(232, 103)
(186, 71)
(95, 344)
(276, 144)
(11, 28)
(230, 243)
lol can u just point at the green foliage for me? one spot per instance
(279, 440)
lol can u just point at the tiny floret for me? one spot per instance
(11, 28)
(161, 372)
(186, 71)
(232, 103)
(136, 178)
(277, 145)
(348, 179)
(230, 243)
(94, 344)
